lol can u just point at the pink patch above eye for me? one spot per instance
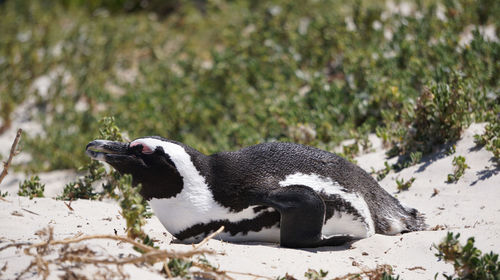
(145, 148)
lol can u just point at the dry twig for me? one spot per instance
(249, 274)
(372, 274)
(69, 205)
(43, 256)
(31, 212)
(13, 153)
(208, 238)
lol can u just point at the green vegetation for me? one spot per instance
(491, 137)
(31, 187)
(459, 169)
(468, 261)
(315, 275)
(180, 267)
(441, 113)
(115, 185)
(381, 174)
(133, 206)
(404, 185)
(387, 276)
(220, 75)
(83, 187)
(381, 272)
(451, 150)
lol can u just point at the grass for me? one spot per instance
(234, 73)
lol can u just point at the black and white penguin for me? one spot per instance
(297, 195)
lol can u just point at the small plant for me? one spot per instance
(315, 275)
(108, 130)
(490, 138)
(442, 111)
(350, 151)
(404, 186)
(83, 188)
(459, 169)
(468, 261)
(451, 150)
(360, 140)
(406, 161)
(180, 267)
(381, 174)
(31, 187)
(388, 276)
(132, 204)
(4, 194)
(415, 158)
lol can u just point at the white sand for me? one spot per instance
(470, 207)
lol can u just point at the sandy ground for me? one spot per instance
(469, 207)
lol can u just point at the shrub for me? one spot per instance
(491, 137)
(442, 111)
(459, 169)
(235, 73)
(83, 187)
(31, 187)
(404, 185)
(468, 261)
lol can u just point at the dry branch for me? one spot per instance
(13, 153)
(208, 238)
(43, 256)
(372, 274)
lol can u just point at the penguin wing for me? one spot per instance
(302, 217)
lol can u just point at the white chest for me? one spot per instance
(180, 213)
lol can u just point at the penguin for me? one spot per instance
(297, 195)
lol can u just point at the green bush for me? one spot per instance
(236, 73)
(468, 261)
(459, 169)
(491, 137)
(31, 187)
(161, 7)
(441, 113)
(404, 185)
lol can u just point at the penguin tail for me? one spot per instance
(415, 220)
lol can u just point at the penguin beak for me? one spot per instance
(107, 151)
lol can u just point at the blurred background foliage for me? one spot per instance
(220, 74)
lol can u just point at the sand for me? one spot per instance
(469, 207)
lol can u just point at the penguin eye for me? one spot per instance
(145, 149)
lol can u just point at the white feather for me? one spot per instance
(340, 223)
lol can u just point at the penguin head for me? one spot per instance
(148, 164)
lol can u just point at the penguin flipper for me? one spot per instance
(302, 215)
